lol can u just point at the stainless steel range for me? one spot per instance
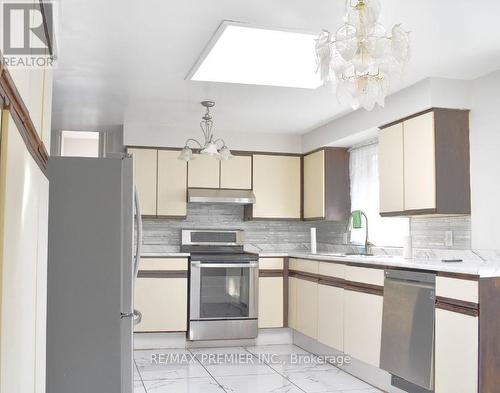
(223, 285)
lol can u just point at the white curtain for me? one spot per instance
(382, 231)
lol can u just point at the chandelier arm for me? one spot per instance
(193, 140)
(206, 131)
(220, 140)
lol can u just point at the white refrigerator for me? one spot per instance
(91, 272)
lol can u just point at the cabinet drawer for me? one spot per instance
(454, 288)
(163, 264)
(364, 275)
(270, 263)
(332, 269)
(304, 265)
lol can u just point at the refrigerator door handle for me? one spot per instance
(138, 247)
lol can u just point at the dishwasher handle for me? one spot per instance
(421, 278)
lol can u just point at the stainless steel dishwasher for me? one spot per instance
(408, 329)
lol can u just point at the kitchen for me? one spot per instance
(265, 197)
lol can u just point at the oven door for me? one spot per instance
(222, 291)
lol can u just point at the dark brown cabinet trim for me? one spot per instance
(162, 274)
(460, 276)
(458, 306)
(271, 273)
(489, 330)
(338, 282)
(369, 289)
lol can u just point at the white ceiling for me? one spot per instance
(125, 61)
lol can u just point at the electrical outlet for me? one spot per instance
(448, 238)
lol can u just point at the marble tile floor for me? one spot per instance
(260, 369)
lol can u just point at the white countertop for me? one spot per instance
(471, 265)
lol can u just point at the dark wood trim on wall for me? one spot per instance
(162, 274)
(12, 101)
(489, 328)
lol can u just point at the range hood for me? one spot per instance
(206, 195)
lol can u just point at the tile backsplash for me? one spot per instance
(164, 235)
(430, 232)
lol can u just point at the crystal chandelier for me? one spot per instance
(209, 146)
(361, 56)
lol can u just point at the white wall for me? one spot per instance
(485, 162)
(141, 135)
(482, 97)
(431, 92)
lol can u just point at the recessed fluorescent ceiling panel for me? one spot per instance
(257, 56)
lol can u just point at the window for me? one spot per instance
(382, 231)
(79, 144)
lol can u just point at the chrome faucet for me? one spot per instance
(349, 229)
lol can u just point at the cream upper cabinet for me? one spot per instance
(391, 169)
(145, 171)
(307, 308)
(424, 164)
(419, 163)
(326, 184)
(314, 185)
(276, 184)
(331, 316)
(456, 352)
(270, 302)
(203, 172)
(172, 184)
(363, 326)
(236, 173)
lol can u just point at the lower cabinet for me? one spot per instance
(331, 316)
(270, 302)
(292, 302)
(163, 304)
(456, 363)
(307, 308)
(363, 326)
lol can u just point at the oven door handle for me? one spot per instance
(227, 265)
